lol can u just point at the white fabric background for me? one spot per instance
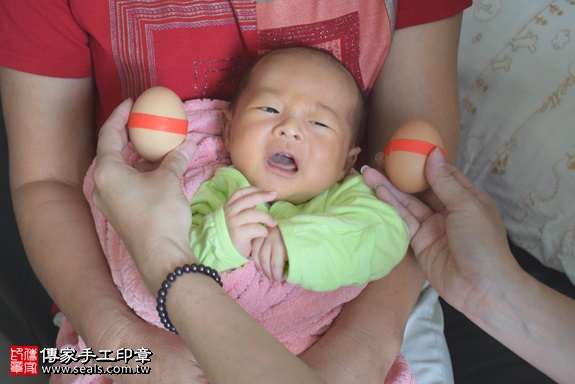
(517, 93)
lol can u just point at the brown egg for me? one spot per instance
(157, 123)
(406, 155)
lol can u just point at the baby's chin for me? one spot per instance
(293, 200)
(294, 197)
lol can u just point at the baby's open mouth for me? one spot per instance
(284, 162)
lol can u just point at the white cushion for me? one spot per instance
(517, 94)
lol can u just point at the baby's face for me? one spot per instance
(290, 131)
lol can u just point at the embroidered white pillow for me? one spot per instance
(517, 94)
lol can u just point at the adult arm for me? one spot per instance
(230, 346)
(50, 137)
(418, 81)
(460, 242)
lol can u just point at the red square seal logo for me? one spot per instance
(24, 360)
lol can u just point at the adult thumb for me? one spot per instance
(178, 160)
(446, 181)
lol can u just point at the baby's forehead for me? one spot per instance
(301, 59)
(301, 64)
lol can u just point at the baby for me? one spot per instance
(287, 206)
(288, 202)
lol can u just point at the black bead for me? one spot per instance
(170, 278)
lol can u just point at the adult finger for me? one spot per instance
(379, 160)
(373, 178)
(146, 166)
(113, 136)
(110, 165)
(413, 223)
(395, 197)
(429, 198)
(447, 182)
(178, 160)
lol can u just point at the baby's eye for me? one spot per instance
(269, 109)
(319, 123)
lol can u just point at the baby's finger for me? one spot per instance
(248, 197)
(277, 263)
(257, 263)
(240, 193)
(256, 245)
(253, 230)
(264, 259)
(253, 215)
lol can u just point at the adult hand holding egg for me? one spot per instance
(156, 211)
(157, 123)
(406, 154)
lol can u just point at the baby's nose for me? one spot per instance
(290, 129)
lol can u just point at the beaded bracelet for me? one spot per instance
(163, 292)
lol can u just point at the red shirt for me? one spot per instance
(198, 48)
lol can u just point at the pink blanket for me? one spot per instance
(295, 316)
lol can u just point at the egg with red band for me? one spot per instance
(157, 123)
(406, 154)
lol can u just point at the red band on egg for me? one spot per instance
(158, 123)
(410, 145)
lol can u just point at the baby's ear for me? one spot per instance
(352, 157)
(226, 117)
(350, 160)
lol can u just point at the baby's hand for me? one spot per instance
(270, 255)
(244, 221)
